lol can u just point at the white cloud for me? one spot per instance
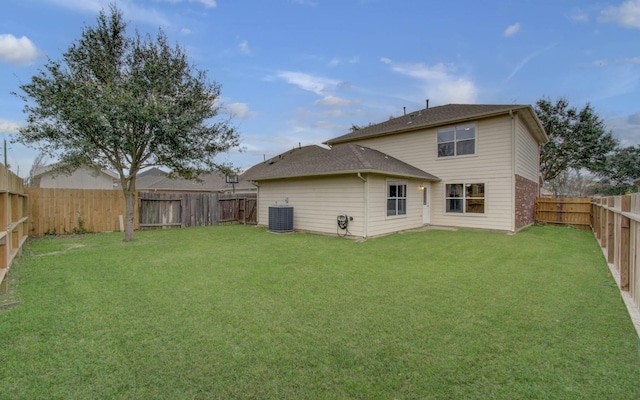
(626, 15)
(633, 60)
(244, 47)
(206, 3)
(129, 9)
(9, 126)
(511, 30)
(626, 129)
(19, 51)
(579, 16)
(305, 2)
(316, 84)
(528, 58)
(84, 5)
(326, 125)
(440, 82)
(332, 113)
(336, 61)
(385, 60)
(185, 31)
(333, 101)
(634, 118)
(239, 110)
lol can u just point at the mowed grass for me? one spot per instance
(235, 312)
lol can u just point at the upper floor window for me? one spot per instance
(457, 140)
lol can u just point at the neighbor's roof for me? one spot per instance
(213, 182)
(319, 161)
(444, 115)
(52, 168)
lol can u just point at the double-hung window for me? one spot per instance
(457, 140)
(465, 198)
(396, 198)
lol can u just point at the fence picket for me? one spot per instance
(61, 211)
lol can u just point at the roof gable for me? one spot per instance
(444, 115)
(342, 159)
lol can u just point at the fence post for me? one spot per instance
(611, 236)
(603, 224)
(625, 243)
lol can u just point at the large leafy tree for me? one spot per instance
(623, 167)
(125, 103)
(578, 139)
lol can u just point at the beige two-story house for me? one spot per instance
(458, 165)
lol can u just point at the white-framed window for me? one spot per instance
(457, 140)
(465, 198)
(396, 198)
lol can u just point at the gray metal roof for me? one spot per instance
(341, 159)
(444, 115)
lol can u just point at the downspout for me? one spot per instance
(366, 205)
(257, 201)
(513, 170)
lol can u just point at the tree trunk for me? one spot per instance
(129, 201)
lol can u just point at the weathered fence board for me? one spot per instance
(238, 207)
(195, 209)
(165, 210)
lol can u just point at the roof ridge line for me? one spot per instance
(365, 163)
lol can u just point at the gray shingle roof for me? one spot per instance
(212, 182)
(341, 159)
(443, 115)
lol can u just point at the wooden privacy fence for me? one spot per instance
(243, 208)
(616, 225)
(564, 211)
(63, 211)
(165, 210)
(13, 221)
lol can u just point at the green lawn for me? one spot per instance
(236, 312)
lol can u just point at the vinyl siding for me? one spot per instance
(527, 154)
(316, 202)
(491, 165)
(379, 223)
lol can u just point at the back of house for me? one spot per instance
(487, 157)
(458, 165)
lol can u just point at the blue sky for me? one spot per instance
(304, 71)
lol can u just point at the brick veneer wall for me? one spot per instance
(526, 193)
